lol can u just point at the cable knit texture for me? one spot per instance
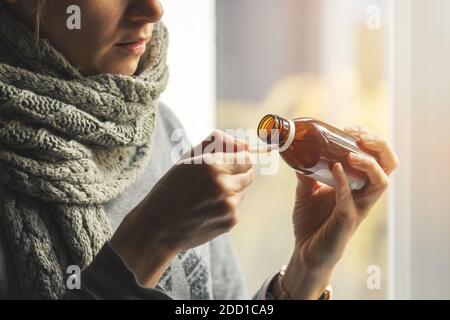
(68, 144)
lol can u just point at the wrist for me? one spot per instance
(298, 282)
(147, 264)
(143, 254)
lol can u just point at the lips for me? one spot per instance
(135, 47)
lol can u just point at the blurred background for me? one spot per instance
(378, 63)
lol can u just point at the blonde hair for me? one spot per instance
(39, 19)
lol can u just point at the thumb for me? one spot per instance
(344, 197)
(305, 185)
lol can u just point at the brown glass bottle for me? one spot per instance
(311, 147)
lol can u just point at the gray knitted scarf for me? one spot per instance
(68, 144)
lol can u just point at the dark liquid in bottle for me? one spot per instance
(314, 148)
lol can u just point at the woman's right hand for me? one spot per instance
(194, 202)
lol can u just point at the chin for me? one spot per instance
(126, 69)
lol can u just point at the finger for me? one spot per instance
(187, 159)
(234, 163)
(266, 148)
(221, 222)
(239, 182)
(226, 162)
(357, 130)
(241, 145)
(387, 156)
(237, 198)
(344, 197)
(306, 186)
(223, 214)
(371, 168)
(219, 141)
(227, 204)
(231, 184)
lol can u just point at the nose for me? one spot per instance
(146, 11)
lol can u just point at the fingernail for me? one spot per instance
(367, 137)
(339, 167)
(356, 157)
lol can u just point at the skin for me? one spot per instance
(104, 24)
(324, 218)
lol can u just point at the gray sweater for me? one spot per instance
(209, 271)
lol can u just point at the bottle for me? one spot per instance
(312, 147)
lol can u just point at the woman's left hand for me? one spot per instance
(325, 218)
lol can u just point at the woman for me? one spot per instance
(87, 179)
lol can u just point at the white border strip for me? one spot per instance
(400, 128)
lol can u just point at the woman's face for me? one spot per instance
(113, 34)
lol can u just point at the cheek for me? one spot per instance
(90, 44)
(100, 19)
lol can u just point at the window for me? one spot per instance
(191, 92)
(419, 207)
(325, 59)
(379, 63)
